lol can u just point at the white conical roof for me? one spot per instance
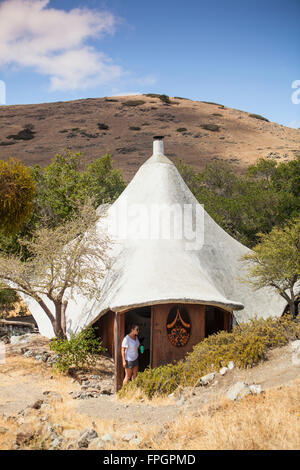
(149, 269)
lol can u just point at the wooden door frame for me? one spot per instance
(119, 331)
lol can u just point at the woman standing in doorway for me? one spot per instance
(130, 353)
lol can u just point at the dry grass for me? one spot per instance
(268, 421)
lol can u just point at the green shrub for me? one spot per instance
(258, 116)
(134, 128)
(165, 99)
(211, 127)
(102, 126)
(246, 346)
(133, 103)
(80, 350)
(27, 133)
(159, 381)
(7, 299)
(181, 129)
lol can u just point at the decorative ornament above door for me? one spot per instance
(178, 326)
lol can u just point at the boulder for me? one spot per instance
(128, 436)
(37, 404)
(107, 438)
(238, 391)
(21, 339)
(86, 437)
(96, 444)
(230, 365)
(255, 389)
(206, 379)
(223, 370)
(295, 345)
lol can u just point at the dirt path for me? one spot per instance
(23, 380)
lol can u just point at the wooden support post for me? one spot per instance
(227, 321)
(119, 327)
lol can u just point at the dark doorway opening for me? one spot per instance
(141, 316)
(216, 320)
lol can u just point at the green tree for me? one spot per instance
(67, 181)
(59, 188)
(244, 205)
(275, 262)
(17, 191)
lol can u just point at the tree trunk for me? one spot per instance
(59, 315)
(292, 309)
(292, 305)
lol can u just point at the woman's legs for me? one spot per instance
(135, 372)
(128, 374)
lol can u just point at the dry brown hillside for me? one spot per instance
(235, 136)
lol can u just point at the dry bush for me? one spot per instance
(246, 346)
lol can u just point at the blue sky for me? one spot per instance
(243, 54)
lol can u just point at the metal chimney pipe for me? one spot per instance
(158, 145)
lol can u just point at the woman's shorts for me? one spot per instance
(132, 364)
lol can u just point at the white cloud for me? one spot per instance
(54, 43)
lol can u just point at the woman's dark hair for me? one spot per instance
(132, 326)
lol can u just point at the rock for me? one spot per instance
(230, 365)
(45, 407)
(72, 434)
(29, 353)
(107, 438)
(45, 418)
(97, 377)
(238, 391)
(206, 379)
(135, 442)
(56, 443)
(86, 437)
(24, 435)
(223, 370)
(22, 339)
(128, 436)
(51, 396)
(296, 358)
(3, 430)
(37, 404)
(96, 444)
(255, 389)
(171, 395)
(295, 345)
(44, 356)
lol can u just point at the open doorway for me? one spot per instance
(216, 320)
(141, 316)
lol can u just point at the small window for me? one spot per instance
(178, 326)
